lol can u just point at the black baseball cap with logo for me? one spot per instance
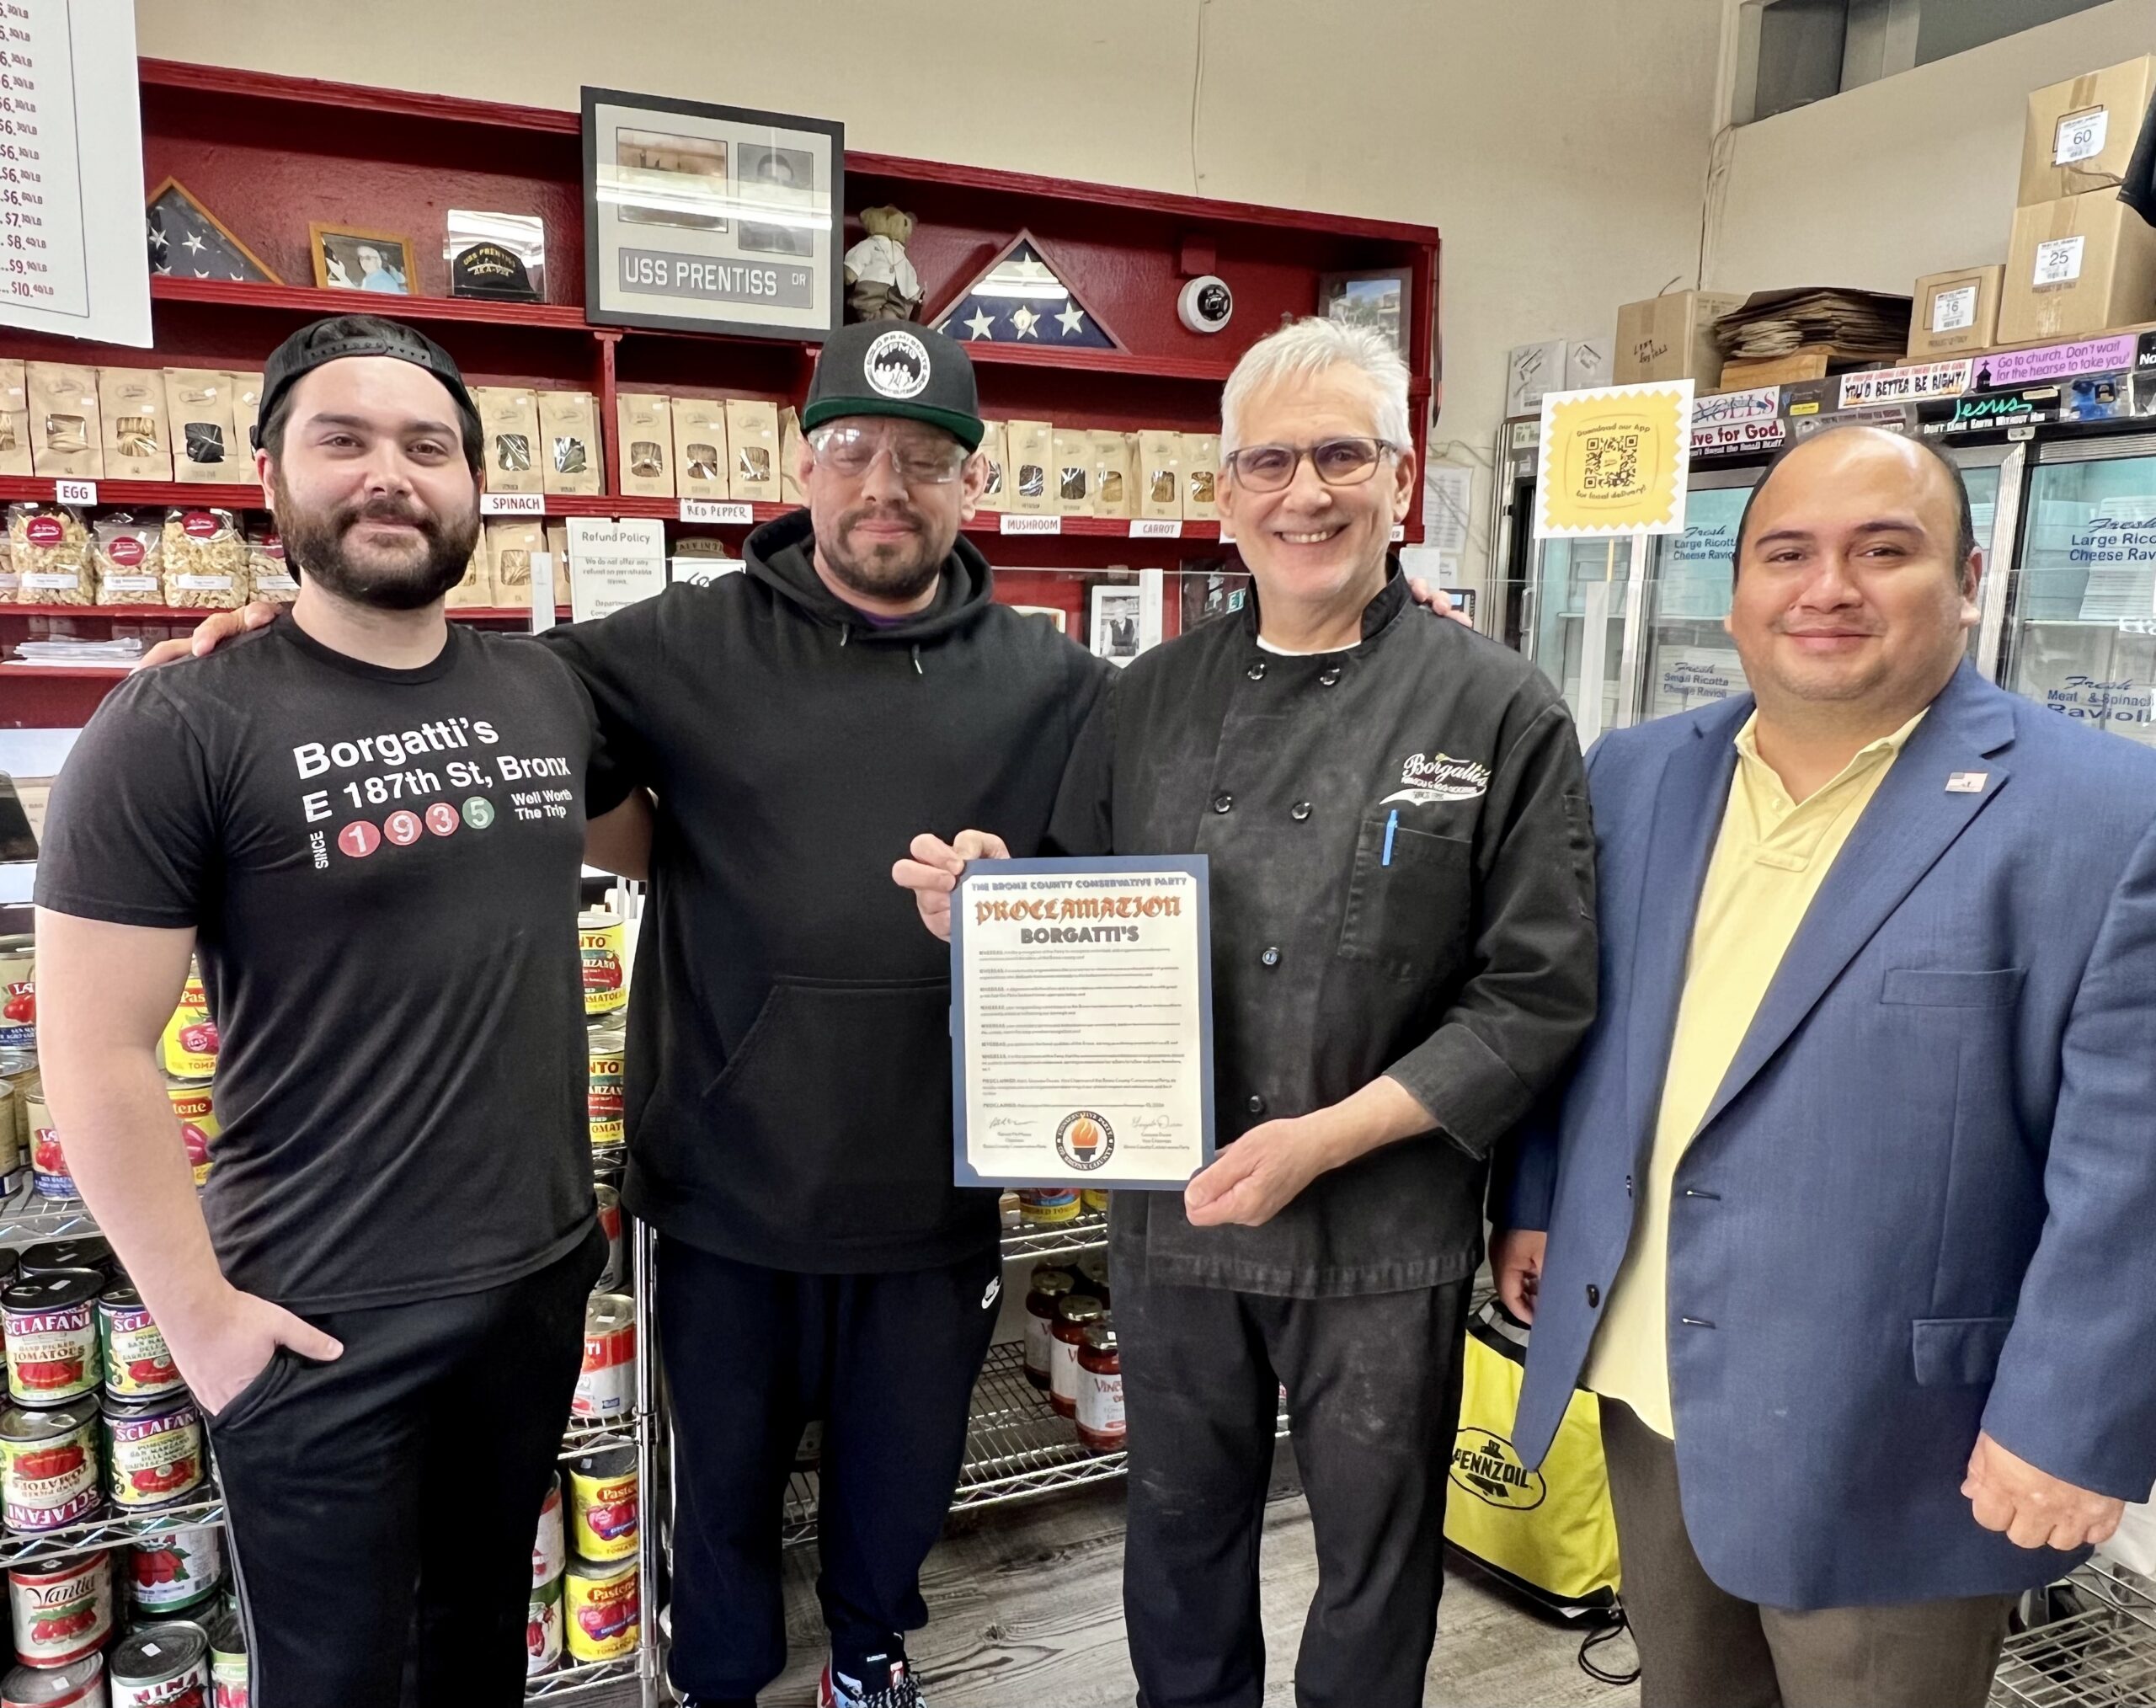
(342, 335)
(893, 367)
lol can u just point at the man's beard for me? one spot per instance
(315, 544)
(896, 570)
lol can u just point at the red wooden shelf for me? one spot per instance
(120, 494)
(299, 299)
(57, 673)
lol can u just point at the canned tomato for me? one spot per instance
(48, 1163)
(86, 1251)
(17, 1003)
(49, 1466)
(162, 1666)
(12, 1142)
(137, 1362)
(549, 1552)
(61, 1611)
(609, 1224)
(169, 1573)
(542, 1628)
(600, 1614)
(1093, 1198)
(52, 1335)
(189, 1048)
(600, 935)
(608, 1049)
(229, 1676)
(1048, 1204)
(152, 1451)
(17, 1145)
(191, 1103)
(79, 1684)
(606, 1386)
(603, 1504)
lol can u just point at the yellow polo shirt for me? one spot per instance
(1772, 855)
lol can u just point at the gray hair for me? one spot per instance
(1310, 346)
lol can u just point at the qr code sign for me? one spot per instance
(1613, 462)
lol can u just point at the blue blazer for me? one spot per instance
(1924, 1200)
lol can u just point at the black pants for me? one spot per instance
(889, 1361)
(398, 1488)
(1373, 1395)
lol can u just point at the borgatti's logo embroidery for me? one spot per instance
(1438, 776)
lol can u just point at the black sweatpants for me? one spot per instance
(889, 1361)
(397, 1487)
(1374, 1399)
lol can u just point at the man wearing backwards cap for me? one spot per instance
(380, 1302)
(789, 1095)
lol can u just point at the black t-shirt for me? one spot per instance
(381, 866)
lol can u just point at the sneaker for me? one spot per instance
(900, 1691)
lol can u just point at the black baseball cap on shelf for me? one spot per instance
(893, 367)
(342, 335)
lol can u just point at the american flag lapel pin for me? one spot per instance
(1967, 783)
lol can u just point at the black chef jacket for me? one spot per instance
(1403, 882)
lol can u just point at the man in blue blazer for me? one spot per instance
(1849, 1214)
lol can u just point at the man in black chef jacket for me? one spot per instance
(1395, 820)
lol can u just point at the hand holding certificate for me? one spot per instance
(1081, 1023)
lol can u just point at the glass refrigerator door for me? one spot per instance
(2083, 603)
(1689, 659)
(1581, 590)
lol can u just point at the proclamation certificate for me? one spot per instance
(1081, 1023)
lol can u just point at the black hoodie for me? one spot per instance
(789, 1094)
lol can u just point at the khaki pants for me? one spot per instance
(1702, 1647)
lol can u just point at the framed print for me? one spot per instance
(187, 241)
(349, 259)
(1377, 299)
(704, 218)
(1115, 632)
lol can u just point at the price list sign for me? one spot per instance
(71, 171)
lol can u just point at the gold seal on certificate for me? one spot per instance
(1081, 1023)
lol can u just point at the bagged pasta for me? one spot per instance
(476, 589)
(569, 442)
(1201, 471)
(1072, 449)
(992, 498)
(129, 554)
(645, 439)
(558, 547)
(1160, 476)
(246, 405)
(205, 560)
(51, 546)
(752, 436)
(509, 551)
(1115, 483)
(269, 577)
(508, 418)
(131, 402)
(700, 466)
(66, 439)
(1031, 446)
(789, 457)
(199, 413)
(9, 582)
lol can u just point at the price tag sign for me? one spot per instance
(2080, 136)
(1155, 530)
(1031, 524)
(512, 504)
(75, 492)
(716, 510)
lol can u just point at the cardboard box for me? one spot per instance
(752, 437)
(1072, 473)
(1807, 361)
(645, 439)
(1671, 338)
(1558, 366)
(1952, 313)
(2079, 265)
(701, 469)
(2081, 133)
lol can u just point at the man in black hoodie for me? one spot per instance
(789, 1081)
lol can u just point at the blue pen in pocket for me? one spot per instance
(1391, 824)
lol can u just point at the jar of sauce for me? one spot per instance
(1076, 1313)
(1052, 1283)
(1093, 1277)
(1101, 1427)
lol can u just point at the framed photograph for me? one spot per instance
(349, 259)
(705, 218)
(1054, 613)
(1377, 299)
(1116, 631)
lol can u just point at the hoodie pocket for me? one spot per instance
(835, 1111)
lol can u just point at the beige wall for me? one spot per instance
(1910, 175)
(1559, 145)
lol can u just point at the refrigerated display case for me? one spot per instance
(1629, 632)
(2078, 618)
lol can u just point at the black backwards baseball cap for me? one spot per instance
(343, 335)
(893, 367)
